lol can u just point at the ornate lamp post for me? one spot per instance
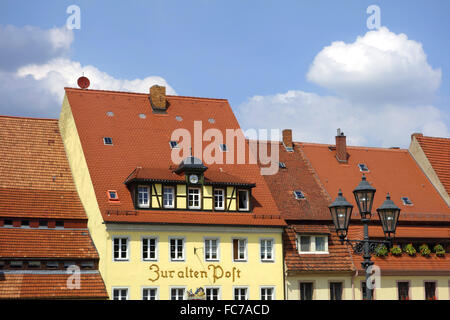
(341, 211)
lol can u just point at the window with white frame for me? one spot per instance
(239, 249)
(211, 249)
(212, 293)
(177, 249)
(194, 198)
(143, 197)
(219, 199)
(169, 197)
(312, 244)
(120, 247)
(150, 294)
(120, 294)
(267, 293)
(243, 200)
(177, 294)
(240, 293)
(149, 248)
(267, 250)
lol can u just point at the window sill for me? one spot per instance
(312, 252)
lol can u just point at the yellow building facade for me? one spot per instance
(161, 260)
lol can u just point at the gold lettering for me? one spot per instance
(203, 274)
(196, 274)
(180, 274)
(154, 266)
(215, 275)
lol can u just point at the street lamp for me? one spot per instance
(341, 212)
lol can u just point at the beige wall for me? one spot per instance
(321, 284)
(421, 159)
(388, 289)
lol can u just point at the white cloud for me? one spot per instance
(384, 85)
(379, 67)
(20, 46)
(35, 64)
(315, 118)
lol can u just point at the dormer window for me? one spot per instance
(243, 200)
(169, 197)
(108, 141)
(174, 145)
(363, 167)
(143, 197)
(299, 195)
(194, 198)
(407, 201)
(312, 244)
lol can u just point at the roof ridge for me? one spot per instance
(28, 118)
(140, 94)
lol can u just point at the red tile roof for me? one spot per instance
(416, 232)
(391, 170)
(437, 151)
(145, 142)
(35, 177)
(46, 243)
(338, 259)
(405, 264)
(298, 175)
(50, 286)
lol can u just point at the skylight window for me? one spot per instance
(174, 145)
(289, 149)
(110, 114)
(142, 115)
(178, 118)
(282, 165)
(407, 201)
(363, 167)
(108, 141)
(299, 195)
(211, 120)
(112, 195)
(223, 148)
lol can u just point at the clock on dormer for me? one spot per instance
(193, 178)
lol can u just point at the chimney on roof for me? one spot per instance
(158, 98)
(287, 138)
(341, 147)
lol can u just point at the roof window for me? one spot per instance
(110, 114)
(299, 195)
(282, 165)
(211, 120)
(407, 201)
(112, 195)
(223, 147)
(363, 167)
(108, 141)
(289, 149)
(142, 115)
(179, 118)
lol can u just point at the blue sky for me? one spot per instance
(251, 52)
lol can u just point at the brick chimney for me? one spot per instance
(158, 98)
(341, 147)
(287, 138)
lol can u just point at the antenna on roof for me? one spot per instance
(83, 82)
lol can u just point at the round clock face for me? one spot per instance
(193, 178)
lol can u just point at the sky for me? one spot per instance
(311, 66)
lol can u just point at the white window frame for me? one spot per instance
(177, 288)
(120, 288)
(176, 246)
(223, 199)
(217, 249)
(312, 244)
(245, 250)
(248, 200)
(173, 197)
(143, 238)
(265, 288)
(219, 294)
(199, 198)
(150, 288)
(127, 258)
(144, 205)
(240, 287)
(265, 259)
